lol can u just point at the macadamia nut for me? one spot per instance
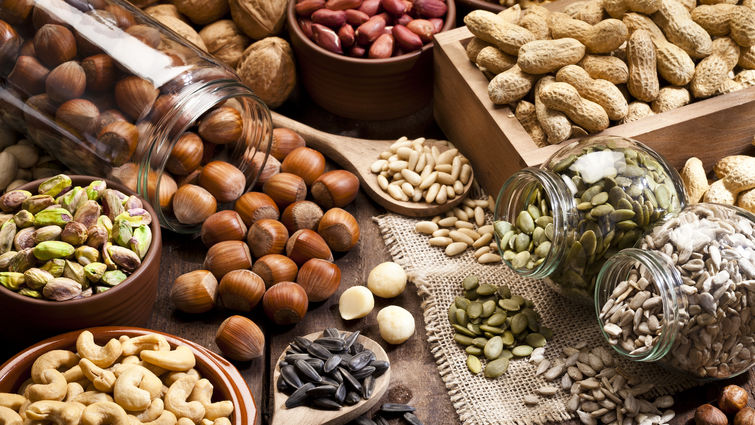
(387, 280)
(356, 302)
(396, 324)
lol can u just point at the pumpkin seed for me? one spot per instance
(474, 310)
(493, 348)
(470, 282)
(496, 319)
(473, 364)
(496, 368)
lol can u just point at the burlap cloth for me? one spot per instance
(479, 400)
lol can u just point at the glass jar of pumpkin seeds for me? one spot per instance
(561, 221)
(684, 296)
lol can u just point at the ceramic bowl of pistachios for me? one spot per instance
(75, 252)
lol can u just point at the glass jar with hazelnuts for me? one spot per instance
(113, 93)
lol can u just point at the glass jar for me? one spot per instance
(685, 295)
(592, 198)
(113, 93)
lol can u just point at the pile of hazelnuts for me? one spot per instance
(731, 404)
(276, 246)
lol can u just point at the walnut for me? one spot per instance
(224, 40)
(202, 12)
(259, 18)
(164, 10)
(268, 68)
(183, 29)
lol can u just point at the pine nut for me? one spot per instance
(377, 166)
(442, 196)
(382, 182)
(464, 224)
(443, 168)
(448, 221)
(411, 177)
(457, 236)
(480, 251)
(483, 240)
(429, 180)
(432, 193)
(466, 173)
(479, 216)
(455, 248)
(426, 227)
(441, 233)
(440, 241)
(471, 233)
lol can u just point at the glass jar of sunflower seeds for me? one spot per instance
(684, 295)
(592, 198)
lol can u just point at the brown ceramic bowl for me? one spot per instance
(128, 303)
(365, 89)
(227, 382)
(467, 6)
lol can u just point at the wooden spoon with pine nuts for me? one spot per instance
(357, 156)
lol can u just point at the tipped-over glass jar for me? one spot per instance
(113, 93)
(685, 295)
(592, 198)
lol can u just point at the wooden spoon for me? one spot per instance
(304, 415)
(356, 155)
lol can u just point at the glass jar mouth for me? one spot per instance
(515, 194)
(666, 280)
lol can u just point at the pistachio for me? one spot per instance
(12, 280)
(86, 255)
(30, 293)
(5, 260)
(112, 205)
(95, 271)
(107, 223)
(37, 203)
(61, 289)
(37, 278)
(124, 258)
(23, 219)
(113, 277)
(47, 233)
(55, 267)
(95, 189)
(141, 240)
(97, 237)
(88, 213)
(139, 216)
(7, 234)
(74, 233)
(22, 261)
(73, 199)
(53, 249)
(53, 216)
(75, 271)
(133, 202)
(106, 258)
(13, 199)
(55, 185)
(122, 231)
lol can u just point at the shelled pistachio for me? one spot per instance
(70, 241)
(495, 325)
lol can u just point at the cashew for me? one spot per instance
(155, 409)
(222, 421)
(180, 359)
(185, 421)
(55, 359)
(104, 412)
(135, 388)
(103, 380)
(202, 393)
(175, 400)
(100, 356)
(136, 345)
(9, 416)
(165, 418)
(91, 397)
(74, 374)
(22, 409)
(57, 412)
(52, 386)
(172, 377)
(72, 390)
(11, 401)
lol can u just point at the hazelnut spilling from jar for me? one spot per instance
(375, 29)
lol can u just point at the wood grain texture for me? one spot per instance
(304, 415)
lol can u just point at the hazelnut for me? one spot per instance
(285, 303)
(226, 256)
(100, 72)
(709, 415)
(79, 114)
(267, 236)
(186, 155)
(285, 189)
(221, 126)
(27, 49)
(301, 215)
(108, 117)
(118, 142)
(267, 67)
(274, 268)
(123, 18)
(272, 167)
(224, 41)
(319, 278)
(146, 34)
(306, 244)
(10, 43)
(66, 81)
(135, 96)
(167, 189)
(202, 12)
(194, 292)
(29, 75)
(223, 180)
(259, 18)
(304, 162)
(54, 44)
(223, 226)
(15, 11)
(336, 188)
(339, 229)
(253, 206)
(193, 204)
(240, 290)
(284, 141)
(733, 398)
(240, 339)
(40, 17)
(746, 416)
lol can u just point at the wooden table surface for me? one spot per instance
(415, 377)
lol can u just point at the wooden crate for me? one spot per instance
(497, 144)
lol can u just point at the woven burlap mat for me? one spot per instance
(476, 399)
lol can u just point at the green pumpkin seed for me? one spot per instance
(507, 338)
(522, 242)
(522, 350)
(518, 299)
(600, 198)
(488, 308)
(485, 289)
(491, 329)
(461, 317)
(509, 304)
(624, 204)
(474, 328)
(474, 364)
(462, 303)
(474, 310)
(532, 319)
(520, 259)
(496, 320)
(509, 255)
(504, 291)
(549, 231)
(470, 282)
(538, 236)
(493, 348)
(452, 313)
(589, 242)
(626, 225)
(471, 349)
(464, 331)
(535, 340)
(546, 332)
(463, 339)
(543, 249)
(564, 163)
(501, 228)
(544, 220)
(622, 214)
(496, 368)
(480, 342)
(518, 323)
(471, 295)
(506, 354)
(601, 210)
(525, 223)
(506, 238)
(584, 206)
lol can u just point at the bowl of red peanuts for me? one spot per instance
(368, 59)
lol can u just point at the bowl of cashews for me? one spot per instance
(122, 376)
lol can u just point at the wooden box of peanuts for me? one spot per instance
(512, 88)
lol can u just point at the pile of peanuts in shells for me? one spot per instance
(462, 228)
(21, 161)
(713, 250)
(600, 391)
(415, 171)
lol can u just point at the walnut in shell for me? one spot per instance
(268, 68)
(225, 41)
(164, 10)
(183, 29)
(202, 12)
(259, 18)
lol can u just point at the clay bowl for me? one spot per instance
(466, 6)
(128, 303)
(365, 89)
(227, 382)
